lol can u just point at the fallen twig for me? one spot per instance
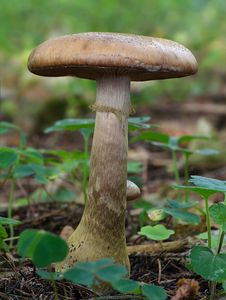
(175, 246)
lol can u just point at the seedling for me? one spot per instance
(42, 247)
(45, 248)
(105, 270)
(144, 207)
(86, 127)
(173, 208)
(5, 127)
(3, 233)
(157, 233)
(208, 263)
(180, 211)
(176, 145)
(20, 162)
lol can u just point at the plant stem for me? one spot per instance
(6, 177)
(54, 289)
(186, 174)
(213, 283)
(176, 172)
(10, 210)
(220, 240)
(212, 290)
(208, 222)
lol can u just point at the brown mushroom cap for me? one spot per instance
(92, 55)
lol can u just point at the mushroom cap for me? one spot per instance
(132, 191)
(94, 54)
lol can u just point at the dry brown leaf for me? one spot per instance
(187, 289)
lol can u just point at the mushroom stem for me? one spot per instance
(101, 232)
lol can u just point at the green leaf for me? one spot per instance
(8, 157)
(23, 140)
(181, 205)
(3, 233)
(224, 227)
(136, 123)
(126, 286)
(134, 167)
(209, 183)
(42, 247)
(207, 152)
(88, 272)
(66, 155)
(218, 213)
(143, 217)
(112, 273)
(3, 246)
(23, 171)
(202, 191)
(143, 204)
(71, 125)
(50, 275)
(173, 143)
(79, 275)
(188, 138)
(170, 142)
(8, 221)
(40, 172)
(6, 126)
(153, 292)
(32, 155)
(214, 239)
(183, 215)
(152, 136)
(158, 232)
(86, 132)
(63, 194)
(209, 266)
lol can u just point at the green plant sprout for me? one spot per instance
(3, 233)
(176, 145)
(208, 262)
(19, 162)
(86, 127)
(176, 209)
(157, 233)
(45, 248)
(92, 274)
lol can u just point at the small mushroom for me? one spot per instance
(132, 191)
(113, 60)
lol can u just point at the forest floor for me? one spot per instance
(165, 267)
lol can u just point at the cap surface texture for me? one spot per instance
(92, 55)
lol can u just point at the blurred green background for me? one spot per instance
(198, 24)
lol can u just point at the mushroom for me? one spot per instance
(132, 191)
(113, 60)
